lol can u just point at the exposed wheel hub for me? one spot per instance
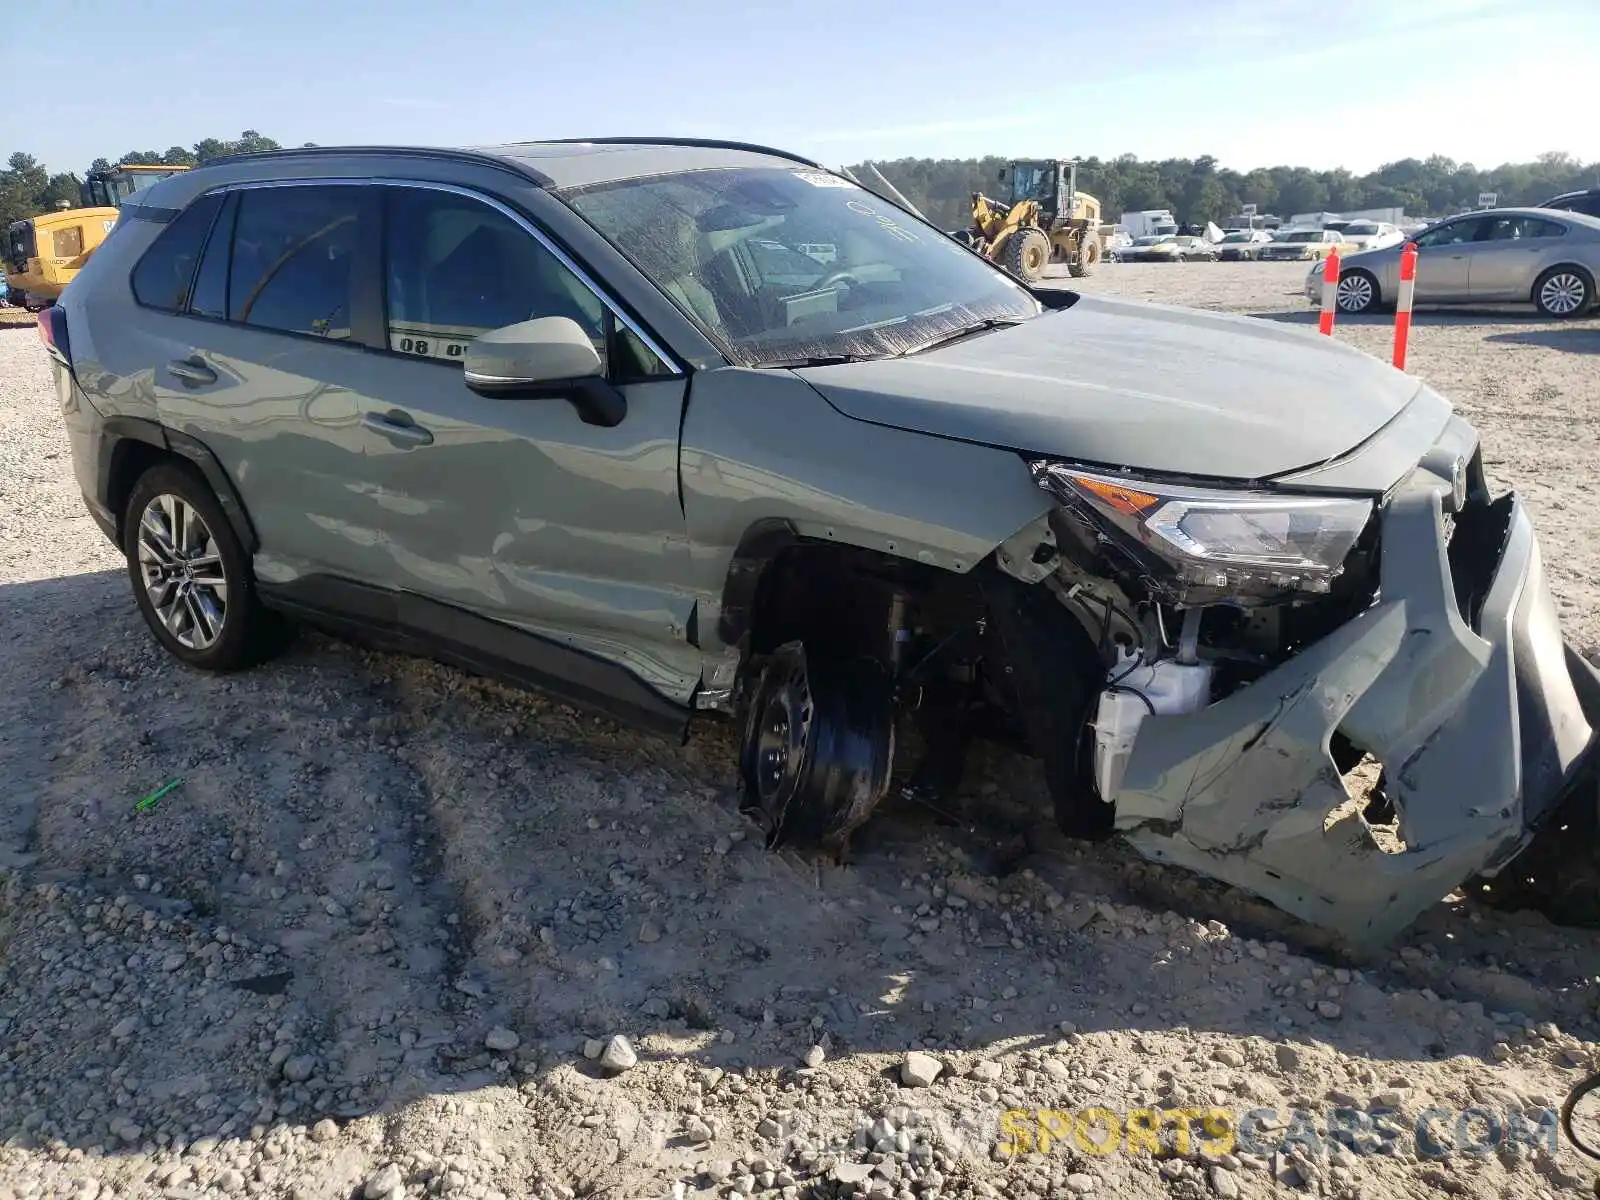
(818, 747)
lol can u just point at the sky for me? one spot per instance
(1355, 83)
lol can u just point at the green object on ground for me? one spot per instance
(155, 797)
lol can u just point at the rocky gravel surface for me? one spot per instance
(401, 932)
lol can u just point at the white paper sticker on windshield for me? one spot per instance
(820, 179)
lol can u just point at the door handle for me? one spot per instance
(398, 427)
(191, 371)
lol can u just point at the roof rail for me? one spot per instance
(707, 143)
(429, 152)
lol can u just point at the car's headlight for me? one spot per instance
(1251, 547)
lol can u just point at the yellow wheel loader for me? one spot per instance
(1046, 219)
(43, 254)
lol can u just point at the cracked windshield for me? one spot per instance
(782, 267)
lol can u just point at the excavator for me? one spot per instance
(1047, 219)
(43, 254)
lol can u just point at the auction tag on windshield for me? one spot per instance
(821, 179)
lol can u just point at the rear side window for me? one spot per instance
(165, 275)
(210, 298)
(294, 255)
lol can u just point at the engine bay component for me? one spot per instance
(1134, 690)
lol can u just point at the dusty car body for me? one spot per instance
(1152, 247)
(1199, 565)
(1242, 245)
(1296, 245)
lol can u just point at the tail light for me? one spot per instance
(53, 333)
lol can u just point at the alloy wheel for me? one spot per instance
(1562, 294)
(1355, 294)
(181, 566)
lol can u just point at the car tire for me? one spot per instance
(1055, 675)
(1357, 293)
(1563, 292)
(817, 746)
(191, 576)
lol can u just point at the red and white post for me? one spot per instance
(1330, 293)
(1402, 305)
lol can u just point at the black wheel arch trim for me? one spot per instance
(761, 543)
(115, 430)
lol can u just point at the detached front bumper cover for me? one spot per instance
(1482, 722)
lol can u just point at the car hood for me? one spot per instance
(1143, 386)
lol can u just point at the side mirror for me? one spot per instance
(546, 358)
(1003, 173)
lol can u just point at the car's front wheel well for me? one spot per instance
(843, 598)
(931, 659)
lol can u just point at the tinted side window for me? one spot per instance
(1452, 234)
(1515, 229)
(455, 268)
(210, 297)
(294, 254)
(165, 273)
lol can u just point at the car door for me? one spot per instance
(1443, 263)
(260, 358)
(1507, 255)
(516, 509)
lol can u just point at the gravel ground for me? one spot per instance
(404, 932)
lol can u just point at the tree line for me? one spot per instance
(1197, 190)
(28, 188)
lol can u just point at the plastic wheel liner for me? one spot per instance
(1456, 679)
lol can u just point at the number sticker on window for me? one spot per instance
(821, 179)
(423, 342)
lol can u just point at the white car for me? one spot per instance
(1296, 245)
(1242, 245)
(1153, 247)
(1372, 235)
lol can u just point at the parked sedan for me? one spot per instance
(1153, 247)
(1242, 246)
(1372, 235)
(1293, 245)
(1505, 255)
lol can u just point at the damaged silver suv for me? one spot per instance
(669, 427)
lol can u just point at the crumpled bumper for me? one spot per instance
(1456, 679)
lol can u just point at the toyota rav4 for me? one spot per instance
(596, 417)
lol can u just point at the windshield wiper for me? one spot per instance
(944, 339)
(816, 360)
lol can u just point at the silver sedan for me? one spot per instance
(1504, 255)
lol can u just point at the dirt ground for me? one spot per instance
(404, 932)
